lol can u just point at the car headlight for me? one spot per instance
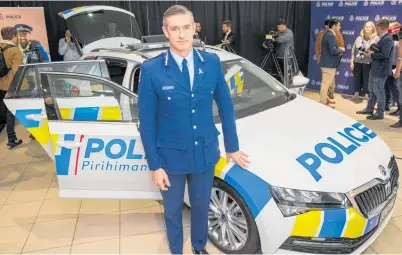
(292, 202)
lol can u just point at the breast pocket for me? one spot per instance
(173, 154)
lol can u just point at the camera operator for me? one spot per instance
(283, 38)
(360, 63)
(381, 68)
(397, 76)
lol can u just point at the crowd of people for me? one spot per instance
(376, 64)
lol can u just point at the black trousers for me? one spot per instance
(7, 118)
(361, 77)
(391, 89)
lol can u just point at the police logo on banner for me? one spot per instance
(393, 2)
(315, 57)
(317, 31)
(377, 18)
(349, 47)
(318, 4)
(328, 17)
(351, 18)
(346, 74)
(340, 3)
(313, 82)
(366, 3)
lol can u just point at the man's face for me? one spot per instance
(23, 39)
(337, 27)
(281, 28)
(380, 31)
(68, 33)
(198, 27)
(225, 28)
(15, 40)
(180, 29)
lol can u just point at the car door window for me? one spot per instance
(24, 84)
(86, 98)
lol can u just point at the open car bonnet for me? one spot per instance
(308, 146)
(95, 27)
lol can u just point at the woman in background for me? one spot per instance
(359, 63)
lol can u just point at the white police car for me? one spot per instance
(319, 181)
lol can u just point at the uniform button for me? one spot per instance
(196, 143)
(169, 98)
(192, 95)
(194, 126)
(193, 111)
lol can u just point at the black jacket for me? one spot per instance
(381, 65)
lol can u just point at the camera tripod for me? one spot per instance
(272, 54)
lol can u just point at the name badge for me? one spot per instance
(167, 87)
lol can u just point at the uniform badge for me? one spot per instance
(167, 87)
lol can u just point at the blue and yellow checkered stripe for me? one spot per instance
(39, 129)
(91, 113)
(236, 82)
(247, 184)
(333, 223)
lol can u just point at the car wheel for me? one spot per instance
(231, 226)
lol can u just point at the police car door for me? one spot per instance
(24, 98)
(95, 138)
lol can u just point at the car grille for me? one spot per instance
(370, 199)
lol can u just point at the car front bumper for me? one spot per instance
(306, 245)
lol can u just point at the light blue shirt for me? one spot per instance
(190, 64)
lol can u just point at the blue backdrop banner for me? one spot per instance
(352, 15)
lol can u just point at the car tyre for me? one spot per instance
(252, 244)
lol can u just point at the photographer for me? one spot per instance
(359, 63)
(381, 68)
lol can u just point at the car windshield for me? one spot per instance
(252, 89)
(102, 24)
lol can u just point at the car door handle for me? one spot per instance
(36, 117)
(69, 144)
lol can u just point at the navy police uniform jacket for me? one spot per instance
(176, 122)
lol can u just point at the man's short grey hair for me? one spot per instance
(174, 10)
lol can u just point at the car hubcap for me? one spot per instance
(227, 224)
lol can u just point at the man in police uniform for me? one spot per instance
(176, 94)
(32, 50)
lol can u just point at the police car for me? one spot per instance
(319, 181)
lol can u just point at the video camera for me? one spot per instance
(269, 42)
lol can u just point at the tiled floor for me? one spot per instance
(34, 220)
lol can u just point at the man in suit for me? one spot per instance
(229, 38)
(381, 68)
(341, 43)
(198, 32)
(175, 99)
(329, 60)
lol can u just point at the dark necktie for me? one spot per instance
(186, 73)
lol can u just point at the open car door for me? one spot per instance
(293, 79)
(95, 27)
(24, 97)
(97, 145)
